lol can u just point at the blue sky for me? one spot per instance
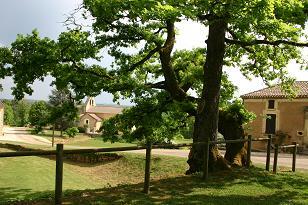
(22, 16)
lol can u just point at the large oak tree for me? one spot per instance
(258, 36)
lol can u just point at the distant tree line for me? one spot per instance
(60, 112)
(16, 113)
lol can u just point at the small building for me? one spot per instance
(93, 115)
(276, 114)
(1, 118)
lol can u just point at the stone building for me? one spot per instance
(285, 118)
(93, 115)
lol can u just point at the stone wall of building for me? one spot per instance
(290, 120)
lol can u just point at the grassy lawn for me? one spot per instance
(98, 142)
(83, 140)
(30, 177)
(120, 182)
(182, 141)
(239, 188)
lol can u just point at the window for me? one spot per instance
(271, 104)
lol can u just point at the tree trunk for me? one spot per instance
(231, 129)
(206, 121)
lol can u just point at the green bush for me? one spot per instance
(72, 131)
(81, 129)
(37, 130)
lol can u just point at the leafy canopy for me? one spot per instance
(262, 36)
(39, 115)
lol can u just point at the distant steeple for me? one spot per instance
(90, 103)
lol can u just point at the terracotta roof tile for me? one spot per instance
(276, 92)
(95, 117)
(105, 109)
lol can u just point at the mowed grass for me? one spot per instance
(30, 177)
(242, 187)
(98, 142)
(83, 140)
(120, 182)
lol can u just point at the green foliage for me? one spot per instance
(71, 132)
(9, 118)
(63, 109)
(16, 113)
(165, 85)
(39, 115)
(37, 129)
(149, 120)
(236, 112)
(81, 129)
(21, 112)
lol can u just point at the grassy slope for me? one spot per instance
(22, 177)
(33, 177)
(81, 140)
(85, 141)
(240, 188)
(93, 142)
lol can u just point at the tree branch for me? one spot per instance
(91, 72)
(147, 57)
(266, 42)
(186, 86)
(172, 85)
(203, 17)
(158, 85)
(249, 50)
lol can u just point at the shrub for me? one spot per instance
(81, 129)
(37, 130)
(72, 131)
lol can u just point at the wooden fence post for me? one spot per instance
(146, 187)
(53, 135)
(206, 160)
(275, 158)
(294, 156)
(59, 174)
(248, 152)
(268, 152)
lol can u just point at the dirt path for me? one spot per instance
(22, 134)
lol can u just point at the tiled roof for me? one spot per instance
(105, 109)
(95, 117)
(276, 92)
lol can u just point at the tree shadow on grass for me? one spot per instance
(10, 193)
(15, 196)
(223, 188)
